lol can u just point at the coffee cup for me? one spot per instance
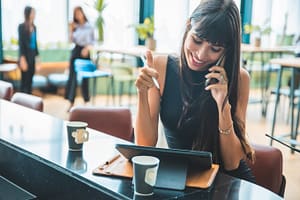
(77, 135)
(144, 174)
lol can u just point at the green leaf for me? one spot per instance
(100, 6)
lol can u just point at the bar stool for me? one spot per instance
(86, 69)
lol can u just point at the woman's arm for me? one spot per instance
(231, 148)
(146, 126)
(36, 44)
(22, 39)
(22, 47)
(85, 52)
(72, 27)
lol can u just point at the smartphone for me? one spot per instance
(210, 81)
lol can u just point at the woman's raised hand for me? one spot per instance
(144, 80)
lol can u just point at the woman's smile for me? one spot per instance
(197, 64)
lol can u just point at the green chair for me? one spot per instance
(123, 76)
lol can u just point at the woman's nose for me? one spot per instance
(202, 52)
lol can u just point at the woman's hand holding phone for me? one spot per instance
(219, 89)
(210, 81)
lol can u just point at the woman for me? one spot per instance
(82, 34)
(28, 49)
(195, 116)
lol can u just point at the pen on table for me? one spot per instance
(109, 161)
(154, 80)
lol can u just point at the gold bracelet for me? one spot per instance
(226, 131)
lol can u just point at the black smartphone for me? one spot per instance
(210, 81)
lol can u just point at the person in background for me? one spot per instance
(82, 35)
(195, 115)
(28, 49)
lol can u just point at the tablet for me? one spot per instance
(173, 165)
(199, 159)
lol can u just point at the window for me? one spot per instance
(53, 16)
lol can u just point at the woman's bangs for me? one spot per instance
(213, 30)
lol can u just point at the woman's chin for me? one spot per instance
(198, 67)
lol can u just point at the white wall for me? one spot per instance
(170, 23)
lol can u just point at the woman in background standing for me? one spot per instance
(82, 34)
(28, 49)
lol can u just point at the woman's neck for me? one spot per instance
(82, 22)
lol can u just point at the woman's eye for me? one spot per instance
(197, 40)
(216, 49)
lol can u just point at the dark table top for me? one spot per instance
(43, 138)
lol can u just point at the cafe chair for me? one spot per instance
(28, 100)
(267, 168)
(123, 77)
(86, 69)
(6, 90)
(115, 121)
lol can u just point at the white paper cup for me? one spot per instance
(144, 174)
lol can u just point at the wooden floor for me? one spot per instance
(257, 127)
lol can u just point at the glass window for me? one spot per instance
(170, 22)
(283, 17)
(53, 16)
(51, 26)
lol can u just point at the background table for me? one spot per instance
(293, 64)
(35, 156)
(265, 70)
(7, 67)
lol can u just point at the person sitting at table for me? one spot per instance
(195, 115)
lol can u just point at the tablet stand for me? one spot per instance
(172, 173)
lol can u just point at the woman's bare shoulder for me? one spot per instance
(244, 75)
(160, 61)
(244, 85)
(160, 64)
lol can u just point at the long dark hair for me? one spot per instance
(217, 21)
(78, 8)
(27, 12)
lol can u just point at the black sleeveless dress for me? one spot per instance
(170, 112)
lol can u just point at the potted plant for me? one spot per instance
(145, 32)
(264, 29)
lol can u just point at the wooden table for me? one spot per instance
(265, 70)
(7, 67)
(135, 51)
(272, 49)
(293, 64)
(34, 155)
